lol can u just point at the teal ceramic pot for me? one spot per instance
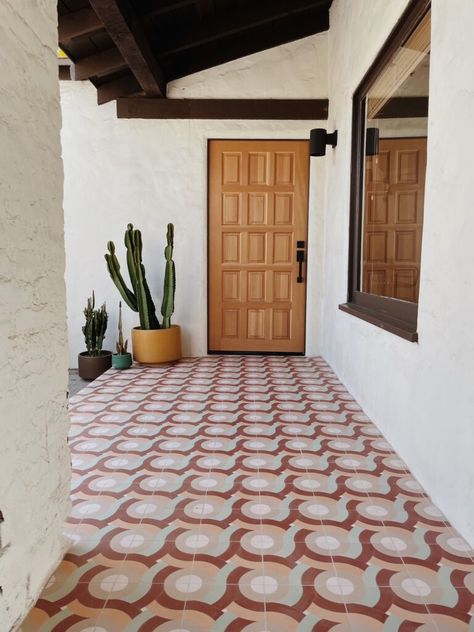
(122, 361)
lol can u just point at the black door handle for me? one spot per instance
(300, 260)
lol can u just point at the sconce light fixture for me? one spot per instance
(372, 141)
(318, 140)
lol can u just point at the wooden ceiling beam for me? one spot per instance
(261, 13)
(127, 35)
(150, 8)
(64, 73)
(82, 22)
(249, 109)
(205, 8)
(120, 87)
(239, 44)
(102, 63)
(404, 107)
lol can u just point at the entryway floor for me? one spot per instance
(76, 383)
(246, 494)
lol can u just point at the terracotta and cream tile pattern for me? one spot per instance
(246, 494)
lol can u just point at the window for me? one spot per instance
(390, 124)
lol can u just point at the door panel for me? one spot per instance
(258, 210)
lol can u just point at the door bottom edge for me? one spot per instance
(253, 353)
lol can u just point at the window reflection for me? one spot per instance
(396, 109)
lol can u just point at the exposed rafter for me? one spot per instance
(205, 8)
(404, 107)
(263, 12)
(243, 40)
(132, 48)
(149, 8)
(264, 109)
(106, 61)
(122, 86)
(64, 73)
(132, 44)
(82, 22)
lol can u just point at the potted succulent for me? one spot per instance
(94, 361)
(153, 342)
(123, 358)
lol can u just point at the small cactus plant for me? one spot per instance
(95, 326)
(138, 298)
(121, 346)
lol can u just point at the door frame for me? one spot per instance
(208, 224)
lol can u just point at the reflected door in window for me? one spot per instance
(393, 218)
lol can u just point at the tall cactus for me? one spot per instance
(169, 285)
(121, 346)
(95, 326)
(139, 297)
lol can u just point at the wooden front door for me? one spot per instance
(393, 218)
(258, 211)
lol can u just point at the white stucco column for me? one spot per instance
(34, 459)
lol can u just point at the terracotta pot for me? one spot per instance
(90, 367)
(122, 361)
(154, 346)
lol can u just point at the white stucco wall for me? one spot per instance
(421, 395)
(34, 459)
(151, 172)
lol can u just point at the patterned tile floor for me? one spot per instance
(246, 494)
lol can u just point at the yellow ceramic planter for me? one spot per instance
(154, 346)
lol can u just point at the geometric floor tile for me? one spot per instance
(246, 494)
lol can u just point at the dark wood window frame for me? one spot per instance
(394, 315)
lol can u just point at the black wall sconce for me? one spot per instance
(318, 139)
(372, 141)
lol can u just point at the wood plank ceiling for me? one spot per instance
(133, 48)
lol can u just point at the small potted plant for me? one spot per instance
(153, 342)
(122, 359)
(94, 361)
